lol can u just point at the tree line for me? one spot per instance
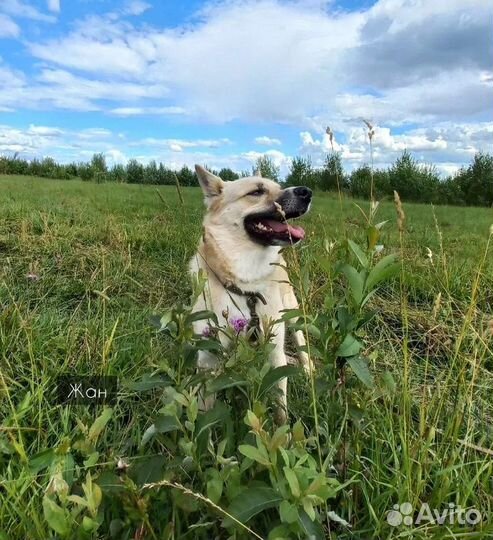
(472, 185)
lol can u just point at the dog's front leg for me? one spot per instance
(206, 362)
(278, 359)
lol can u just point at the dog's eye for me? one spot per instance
(257, 193)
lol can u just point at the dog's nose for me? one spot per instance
(303, 192)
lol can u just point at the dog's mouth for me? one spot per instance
(271, 228)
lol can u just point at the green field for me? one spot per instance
(83, 266)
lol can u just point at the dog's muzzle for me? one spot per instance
(271, 227)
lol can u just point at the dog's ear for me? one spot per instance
(257, 172)
(211, 184)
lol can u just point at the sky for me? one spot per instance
(223, 82)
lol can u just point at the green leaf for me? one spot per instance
(250, 502)
(292, 479)
(275, 375)
(349, 347)
(149, 469)
(215, 489)
(313, 529)
(389, 382)
(99, 424)
(288, 512)
(356, 282)
(149, 433)
(218, 414)
(308, 508)
(362, 258)
(325, 264)
(208, 345)
(225, 380)
(361, 370)
(202, 315)
(372, 235)
(55, 516)
(165, 424)
(385, 268)
(290, 314)
(41, 460)
(148, 382)
(254, 454)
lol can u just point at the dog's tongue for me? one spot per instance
(277, 226)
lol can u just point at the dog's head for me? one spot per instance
(255, 208)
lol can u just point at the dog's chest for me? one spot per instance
(238, 310)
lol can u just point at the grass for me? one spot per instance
(83, 266)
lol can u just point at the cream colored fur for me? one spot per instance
(228, 255)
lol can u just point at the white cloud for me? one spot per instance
(114, 156)
(17, 8)
(267, 141)
(177, 145)
(136, 7)
(53, 5)
(8, 28)
(307, 61)
(140, 111)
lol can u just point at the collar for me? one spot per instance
(229, 285)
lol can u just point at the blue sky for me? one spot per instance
(223, 82)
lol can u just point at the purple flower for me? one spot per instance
(206, 332)
(238, 323)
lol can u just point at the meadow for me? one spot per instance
(84, 267)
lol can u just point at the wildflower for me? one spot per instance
(429, 255)
(206, 332)
(32, 276)
(238, 324)
(400, 212)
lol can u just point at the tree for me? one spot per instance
(135, 172)
(266, 167)
(413, 181)
(301, 173)
(332, 177)
(227, 174)
(186, 177)
(151, 173)
(476, 182)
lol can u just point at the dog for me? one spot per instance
(244, 229)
